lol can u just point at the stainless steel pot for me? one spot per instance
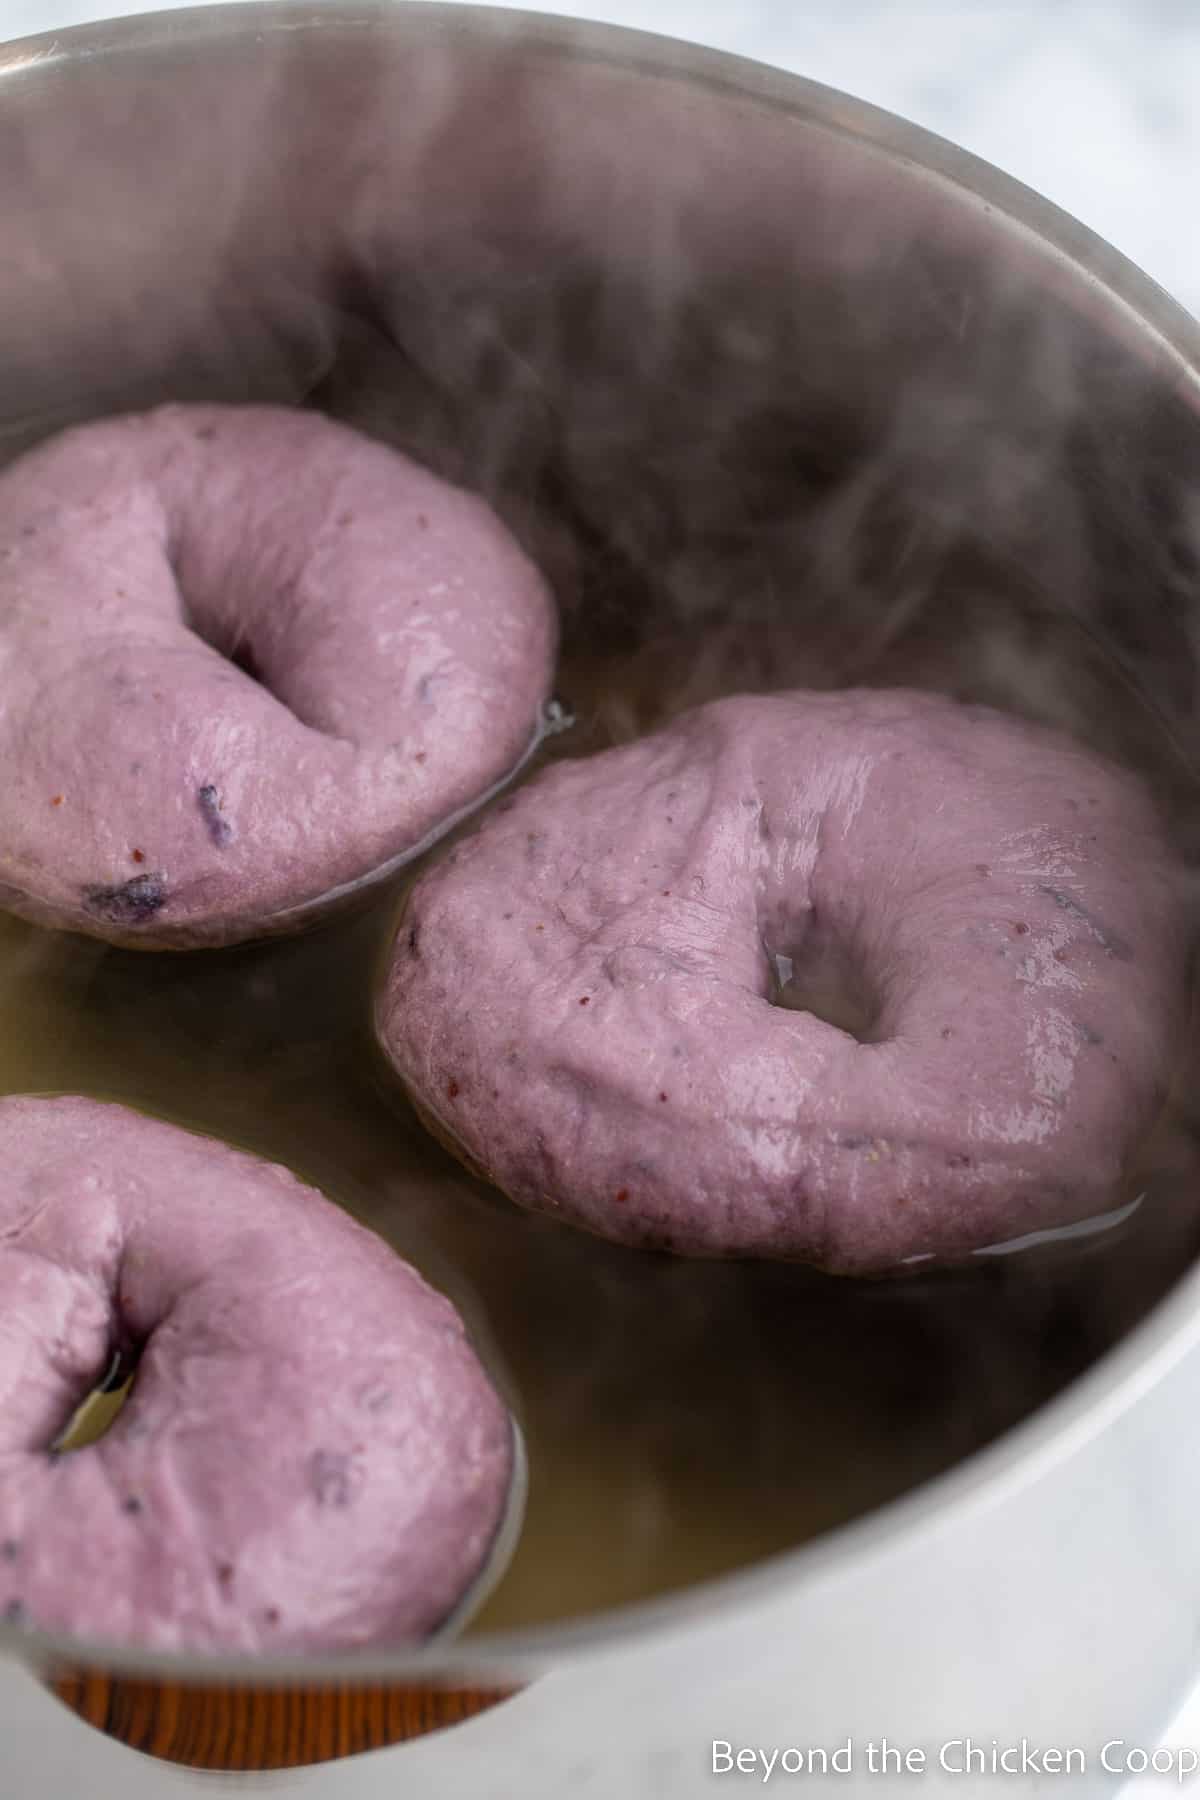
(577, 266)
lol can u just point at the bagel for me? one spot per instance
(311, 1456)
(971, 928)
(251, 658)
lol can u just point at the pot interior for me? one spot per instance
(780, 393)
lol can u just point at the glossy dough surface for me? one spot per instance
(249, 656)
(311, 1456)
(580, 994)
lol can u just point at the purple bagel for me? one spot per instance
(250, 657)
(311, 1457)
(579, 994)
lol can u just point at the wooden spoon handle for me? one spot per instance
(262, 1728)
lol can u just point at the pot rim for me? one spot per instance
(1165, 331)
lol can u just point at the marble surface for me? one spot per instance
(1089, 101)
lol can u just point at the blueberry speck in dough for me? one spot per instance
(132, 902)
(209, 802)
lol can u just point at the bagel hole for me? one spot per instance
(242, 657)
(234, 646)
(239, 652)
(823, 978)
(99, 1407)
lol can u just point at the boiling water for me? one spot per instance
(767, 415)
(683, 1419)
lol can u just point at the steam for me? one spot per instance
(772, 411)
